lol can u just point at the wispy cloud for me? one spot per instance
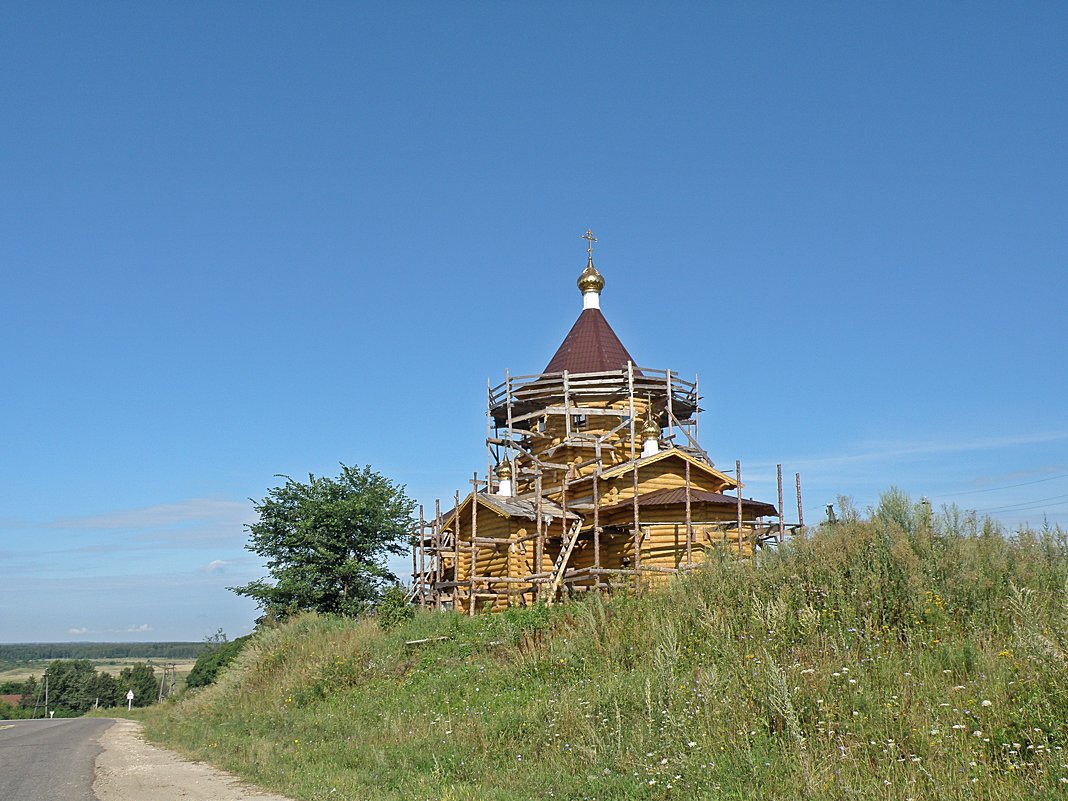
(84, 587)
(217, 565)
(191, 523)
(133, 628)
(886, 451)
(1021, 475)
(161, 515)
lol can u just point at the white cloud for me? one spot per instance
(141, 628)
(78, 631)
(163, 515)
(217, 565)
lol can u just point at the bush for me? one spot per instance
(8, 712)
(208, 665)
(394, 608)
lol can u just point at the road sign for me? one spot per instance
(129, 700)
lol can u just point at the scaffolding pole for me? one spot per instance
(738, 474)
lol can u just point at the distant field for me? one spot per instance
(19, 661)
(113, 666)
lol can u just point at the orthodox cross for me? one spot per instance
(589, 237)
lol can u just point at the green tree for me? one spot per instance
(70, 686)
(105, 690)
(326, 541)
(141, 678)
(30, 690)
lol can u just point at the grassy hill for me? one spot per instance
(892, 658)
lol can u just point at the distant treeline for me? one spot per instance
(25, 652)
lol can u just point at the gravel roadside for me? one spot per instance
(129, 769)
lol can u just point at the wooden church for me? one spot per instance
(595, 478)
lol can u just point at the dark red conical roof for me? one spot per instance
(591, 346)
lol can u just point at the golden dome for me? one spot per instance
(504, 471)
(651, 428)
(590, 280)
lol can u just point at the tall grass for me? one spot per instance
(905, 656)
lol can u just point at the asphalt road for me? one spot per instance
(49, 760)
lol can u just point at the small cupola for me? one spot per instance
(590, 283)
(650, 437)
(504, 480)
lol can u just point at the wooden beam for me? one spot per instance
(488, 580)
(456, 540)
(422, 561)
(539, 549)
(441, 546)
(630, 387)
(778, 476)
(738, 473)
(474, 545)
(689, 520)
(696, 407)
(567, 409)
(670, 412)
(596, 518)
(637, 529)
(415, 566)
(489, 435)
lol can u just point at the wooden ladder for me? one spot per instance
(560, 566)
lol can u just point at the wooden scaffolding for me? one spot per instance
(594, 480)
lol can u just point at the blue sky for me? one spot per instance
(247, 239)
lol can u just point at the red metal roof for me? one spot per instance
(591, 346)
(670, 497)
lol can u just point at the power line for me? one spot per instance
(1037, 503)
(1049, 513)
(994, 489)
(1052, 512)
